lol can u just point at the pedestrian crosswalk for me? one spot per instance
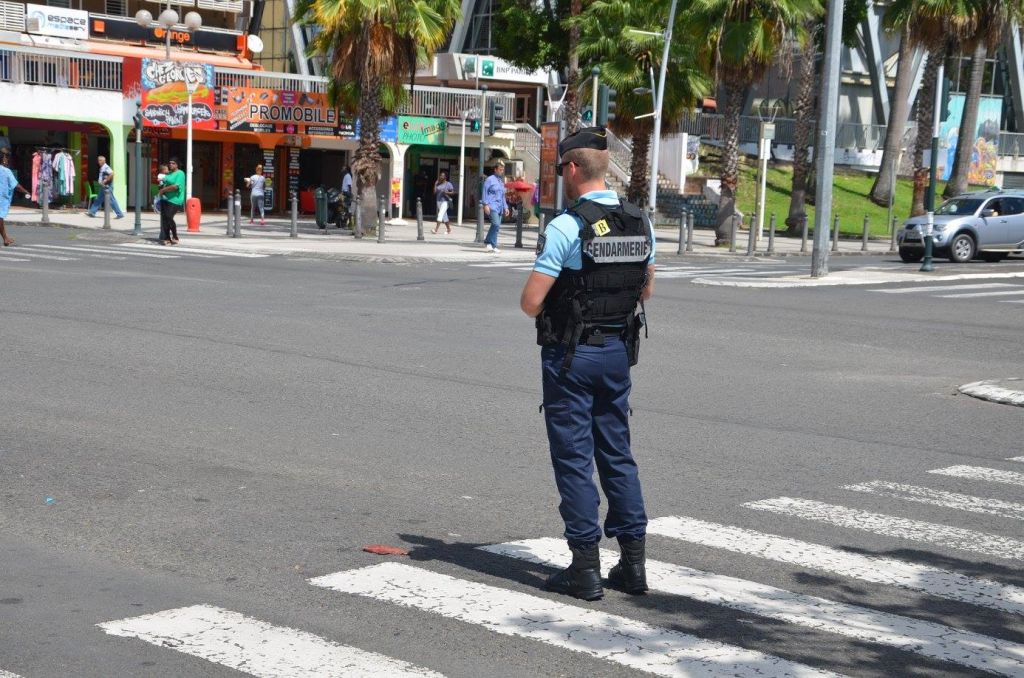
(37, 252)
(972, 291)
(670, 271)
(259, 648)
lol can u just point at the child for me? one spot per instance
(163, 169)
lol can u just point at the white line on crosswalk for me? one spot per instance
(188, 249)
(991, 475)
(92, 250)
(256, 647)
(692, 274)
(1020, 459)
(971, 295)
(892, 526)
(1011, 301)
(942, 288)
(28, 251)
(12, 258)
(875, 569)
(500, 264)
(954, 500)
(752, 273)
(598, 634)
(922, 637)
(8, 674)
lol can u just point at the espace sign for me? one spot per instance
(57, 21)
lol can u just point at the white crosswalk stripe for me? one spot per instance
(617, 639)
(26, 251)
(1020, 459)
(875, 569)
(991, 475)
(922, 637)
(941, 288)
(971, 295)
(954, 500)
(93, 251)
(8, 674)
(190, 250)
(892, 526)
(256, 647)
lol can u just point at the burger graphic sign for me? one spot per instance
(165, 88)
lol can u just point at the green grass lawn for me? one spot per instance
(849, 199)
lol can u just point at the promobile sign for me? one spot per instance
(251, 109)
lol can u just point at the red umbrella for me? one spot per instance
(519, 185)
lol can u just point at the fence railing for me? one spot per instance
(444, 102)
(53, 68)
(528, 141)
(1011, 143)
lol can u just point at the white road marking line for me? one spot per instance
(875, 569)
(779, 273)
(256, 647)
(991, 475)
(695, 274)
(8, 674)
(942, 288)
(954, 500)
(84, 250)
(912, 635)
(188, 249)
(970, 295)
(1020, 459)
(7, 257)
(624, 641)
(28, 251)
(892, 526)
(1011, 301)
(500, 264)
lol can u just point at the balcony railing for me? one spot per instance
(444, 102)
(30, 66)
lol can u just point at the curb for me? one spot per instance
(990, 390)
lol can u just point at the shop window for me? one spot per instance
(116, 7)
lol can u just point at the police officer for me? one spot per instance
(594, 269)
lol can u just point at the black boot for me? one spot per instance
(582, 579)
(630, 575)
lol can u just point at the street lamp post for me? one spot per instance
(652, 194)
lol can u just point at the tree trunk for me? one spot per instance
(899, 108)
(925, 125)
(572, 101)
(639, 164)
(734, 95)
(804, 111)
(366, 162)
(968, 126)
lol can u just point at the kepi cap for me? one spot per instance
(595, 138)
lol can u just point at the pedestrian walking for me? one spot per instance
(172, 199)
(594, 269)
(443, 192)
(8, 185)
(256, 185)
(160, 176)
(495, 206)
(106, 179)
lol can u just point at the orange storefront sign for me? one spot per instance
(254, 109)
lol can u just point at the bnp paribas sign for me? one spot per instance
(493, 68)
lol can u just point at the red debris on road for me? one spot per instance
(382, 550)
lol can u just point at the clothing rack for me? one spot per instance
(58, 149)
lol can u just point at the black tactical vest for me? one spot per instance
(602, 296)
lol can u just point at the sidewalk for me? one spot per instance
(400, 243)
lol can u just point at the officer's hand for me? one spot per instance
(506, 213)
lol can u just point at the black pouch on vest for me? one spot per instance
(633, 338)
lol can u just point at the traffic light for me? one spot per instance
(588, 114)
(605, 105)
(944, 99)
(474, 124)
(495, 115)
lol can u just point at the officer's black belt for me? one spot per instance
(596, 336)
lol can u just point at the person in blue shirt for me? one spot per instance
(495, 206)
(8, 185)
(592, 275)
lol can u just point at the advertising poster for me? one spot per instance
(422, 131)
(57, 21)
(548, 160)
(984, 156)
(396, 190)
(255, 109)
(165, 94)
(268, 172)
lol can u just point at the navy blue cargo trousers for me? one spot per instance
(586, 409)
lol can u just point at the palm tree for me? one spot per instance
(804, 109)
(925, 126)
(373, 46)
(743, 39)
(898, 111)
(610, 38)
(571, 112)
(991, 17)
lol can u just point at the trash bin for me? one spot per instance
(320, 196)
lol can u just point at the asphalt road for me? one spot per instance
(218, 430)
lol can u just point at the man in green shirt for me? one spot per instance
(172, 200)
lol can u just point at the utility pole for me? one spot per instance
(652, 194)
(137, 119)
(825, 148)
(929, 198)
(595, 72)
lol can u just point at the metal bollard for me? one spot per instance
(771, 234)
(892, 236)
(106, 208)
(357, 232)
(732, 235)
(751, 243)
(803, 234)
(44, 200)
(682, 232)
(835, 234)
(380, 221)
(419, 219)
(295, 215)
(238, 214)
(519, 228)
(689, 231)
(480, 220)
(231, 214)
(864, 236)
(541, 224)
